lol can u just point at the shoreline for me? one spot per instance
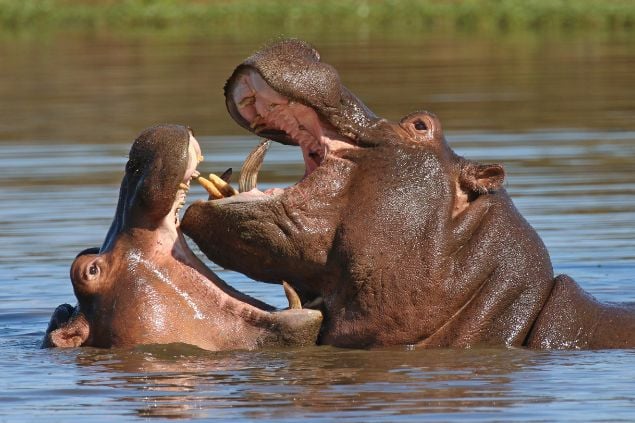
(245, 17)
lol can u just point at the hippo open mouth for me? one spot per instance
(257, 106)
(252, 102)
(227, 292)
(307, 107)
(145, 286)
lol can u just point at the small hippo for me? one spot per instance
(145, 286)
(397, 239)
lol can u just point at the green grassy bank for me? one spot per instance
(244, 16)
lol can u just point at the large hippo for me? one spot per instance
(397, 238)
(145, 286)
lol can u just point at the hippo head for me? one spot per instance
(145, 286)
(397, 238)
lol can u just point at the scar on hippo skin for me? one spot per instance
(398, 238)
(145, 286)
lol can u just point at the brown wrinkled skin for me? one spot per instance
(145, 286)
(406, 242)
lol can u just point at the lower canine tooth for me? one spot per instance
(225, 189)
(211, 189)
(292, 296)
(253, 162)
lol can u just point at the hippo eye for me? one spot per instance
(421, 125)
(93, 270)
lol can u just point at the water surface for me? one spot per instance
(558, 113)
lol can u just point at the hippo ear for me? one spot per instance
(71, 334)
(477, 179)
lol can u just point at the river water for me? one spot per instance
(558, 112)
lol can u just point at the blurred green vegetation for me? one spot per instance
(268, 17)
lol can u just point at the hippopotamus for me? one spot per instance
(145, 286)
(395, 237)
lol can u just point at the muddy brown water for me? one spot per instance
(559, 112)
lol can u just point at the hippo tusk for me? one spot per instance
(253, 162)
(214, 193)
(224, 188)
(227, 175)
(292, 296)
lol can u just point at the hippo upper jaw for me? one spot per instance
(305, 79)
(267, 113)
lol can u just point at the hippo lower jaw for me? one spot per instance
(264, 325)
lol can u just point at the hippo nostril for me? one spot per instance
(421, 125)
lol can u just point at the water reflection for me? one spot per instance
(180, 381)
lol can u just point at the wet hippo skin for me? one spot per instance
(392, 235)
(145, 286)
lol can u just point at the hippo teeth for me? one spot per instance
(247, 101)
(227, 175)
(213, 192)
(296, 303)
(257, 106)
(292, 296)
(223, 186)
(251, 166)
(217, 186)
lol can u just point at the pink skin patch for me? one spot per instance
(263, 107)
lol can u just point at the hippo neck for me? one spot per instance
(510, 259)
(142, 213)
